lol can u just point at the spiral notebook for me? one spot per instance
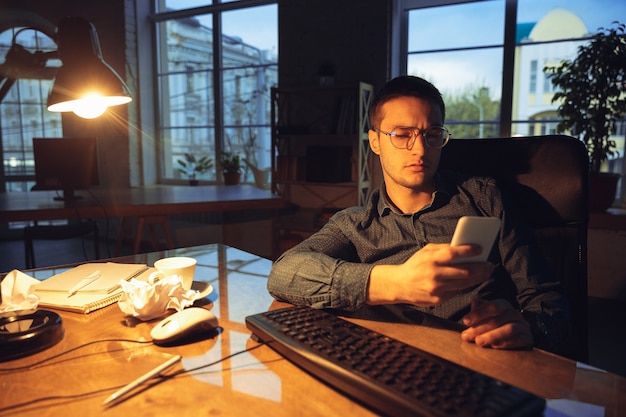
(54, 292)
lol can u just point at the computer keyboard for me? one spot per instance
(385, 374)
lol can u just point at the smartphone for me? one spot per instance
(476, 230)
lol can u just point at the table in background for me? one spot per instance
(256, 383)
(150, 202)
(162, 200)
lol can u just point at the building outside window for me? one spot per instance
(216, 66)
(23, 114)
(493, 80)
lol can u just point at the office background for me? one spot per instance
(354, 35)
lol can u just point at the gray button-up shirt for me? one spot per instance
(331, 268)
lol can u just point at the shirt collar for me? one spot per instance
(441, 196)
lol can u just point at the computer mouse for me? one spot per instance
(188, 322)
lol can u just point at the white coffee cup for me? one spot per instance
(179, 265)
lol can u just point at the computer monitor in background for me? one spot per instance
(65, 164)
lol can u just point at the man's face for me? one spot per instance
(410, 168)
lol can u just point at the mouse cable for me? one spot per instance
(33, 402)
(44, 361)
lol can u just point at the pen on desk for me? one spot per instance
(153, 373)
(84, 282)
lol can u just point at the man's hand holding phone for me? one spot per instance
(435, 274)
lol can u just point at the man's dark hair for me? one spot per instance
(403, 86)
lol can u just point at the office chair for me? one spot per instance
(150, 221)
(549, 177)
(58, 232)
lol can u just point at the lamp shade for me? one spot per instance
(84, 84)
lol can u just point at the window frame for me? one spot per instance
(398, 66)
(220, 130)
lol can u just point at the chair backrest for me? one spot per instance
(549, 177)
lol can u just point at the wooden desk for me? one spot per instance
(256, 383)
(158, 200)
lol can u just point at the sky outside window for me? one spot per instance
(450, 28)
(458, 26)
(479, 25)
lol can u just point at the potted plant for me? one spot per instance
(230, 165)
(590, 90)
(191, 166)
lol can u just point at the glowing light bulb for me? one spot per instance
(90, 106)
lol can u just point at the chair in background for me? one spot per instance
(80, 229)
(549, 177)
(151, 222)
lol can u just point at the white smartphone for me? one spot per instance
(476, 230)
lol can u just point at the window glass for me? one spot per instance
(250, 70)
(594, 14)
(23, 110)
(456, 26)
(164, 5)
(451, 46)
(464, 63)
(548, 32)
(193, 119)
(187, 97)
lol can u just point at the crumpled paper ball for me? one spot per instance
(147, 300)
(18, 293)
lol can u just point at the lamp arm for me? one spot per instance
(5, 86)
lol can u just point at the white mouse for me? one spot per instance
(192, 320)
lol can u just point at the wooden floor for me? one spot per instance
(607, 318)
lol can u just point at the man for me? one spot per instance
(396, 251)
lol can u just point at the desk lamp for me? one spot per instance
(85, 84)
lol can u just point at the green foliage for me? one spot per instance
(192, 166)
(230, 162)
(590, 90)
(475, 105)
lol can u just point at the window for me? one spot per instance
(23, 113)
(532, 89)
(492, 76)
(466, 69)
(215, 69)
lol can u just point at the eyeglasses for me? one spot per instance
(404, 137)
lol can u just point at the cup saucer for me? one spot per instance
(202, 289)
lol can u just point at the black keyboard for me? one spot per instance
(385, 374)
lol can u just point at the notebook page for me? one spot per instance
(110, 275)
